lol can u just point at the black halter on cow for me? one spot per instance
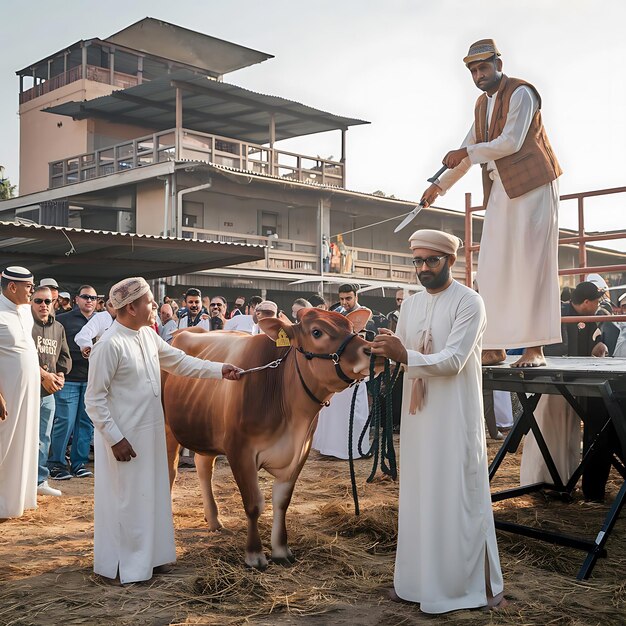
(268, 419)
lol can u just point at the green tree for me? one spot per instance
(7, 190)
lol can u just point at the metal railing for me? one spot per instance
(303, 256)
(580, 240)
(194, 145)
(94, 73)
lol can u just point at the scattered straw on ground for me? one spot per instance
(343, 570)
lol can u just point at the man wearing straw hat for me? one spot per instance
(447, 556)
(518, 253)
(19, 395)
(133, 529)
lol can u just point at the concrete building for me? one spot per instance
(140, 133)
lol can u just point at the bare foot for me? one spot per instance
(493, 357)
(532, 357)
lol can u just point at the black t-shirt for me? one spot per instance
(73, 322)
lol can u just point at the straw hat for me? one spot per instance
(481, 50)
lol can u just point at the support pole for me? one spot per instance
(179, 121)
(83, 49)
(272, 141)
(343, 156)
(111, 65)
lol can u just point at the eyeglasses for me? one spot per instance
(41, 300)
(85, 296)
(431, 261)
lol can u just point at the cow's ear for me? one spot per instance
(271, 326)
(359, 318)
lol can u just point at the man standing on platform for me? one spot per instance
(133, 528)
(518, 250)
(19, 395)
(447, 555)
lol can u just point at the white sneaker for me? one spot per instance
(44, 489)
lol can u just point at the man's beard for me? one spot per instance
(435, 281)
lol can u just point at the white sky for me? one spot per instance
(396, 64)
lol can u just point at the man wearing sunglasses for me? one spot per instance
(447, 556)
(55, 362)
(71, 419)
(19, 395)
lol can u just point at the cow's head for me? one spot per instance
(325, 338)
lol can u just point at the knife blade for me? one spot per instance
(409, 218)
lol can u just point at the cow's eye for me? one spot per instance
(316, 333)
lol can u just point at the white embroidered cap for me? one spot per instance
(127, 291)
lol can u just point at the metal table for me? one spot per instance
(571, 377)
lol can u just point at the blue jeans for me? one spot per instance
(71, 419)
(46, 415)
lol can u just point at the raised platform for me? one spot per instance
(573, 378)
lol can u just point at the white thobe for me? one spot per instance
(333, 424)
(97, 325)
(166, 330)
(560, 426)
(242, 323)
(517, 263)
(503, 409)
(183, 322)
(19, 432)
(446, 533)
(133, 529)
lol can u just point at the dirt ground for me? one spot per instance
(344, 564)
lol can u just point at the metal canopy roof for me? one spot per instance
(208, 106)
(76, 255)
(182, 45)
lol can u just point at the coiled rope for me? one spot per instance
(382, 448)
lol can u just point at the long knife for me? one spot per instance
(411, 216)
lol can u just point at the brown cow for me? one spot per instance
(268, 418)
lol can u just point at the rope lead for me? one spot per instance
(382, 443)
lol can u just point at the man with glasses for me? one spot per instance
(71, 419)
(52, 284)
(518, 249)
(19, 395)
(217, 312)
(447, 555)
(55, 362)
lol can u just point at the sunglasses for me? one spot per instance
(85, 296)
(42, 301)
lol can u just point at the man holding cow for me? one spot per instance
(133, 529)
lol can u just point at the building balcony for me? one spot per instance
(294, 256)
(91, 72)
(195, 146)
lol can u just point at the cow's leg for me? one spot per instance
(204, 468)
(245, 472)
(281, 497)
(172, 453)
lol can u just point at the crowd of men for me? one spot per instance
(65, 329)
